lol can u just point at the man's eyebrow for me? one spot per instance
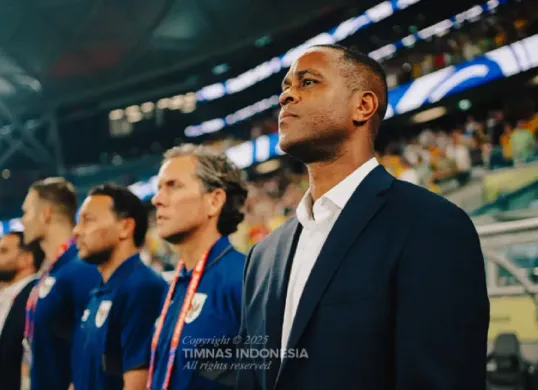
(300, 75)
(304, 72)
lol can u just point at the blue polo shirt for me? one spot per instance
(211, 324)
(63, 296)
(116, 328)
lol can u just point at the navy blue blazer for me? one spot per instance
(396, 300)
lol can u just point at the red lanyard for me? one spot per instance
(31, 304)
(174, 343)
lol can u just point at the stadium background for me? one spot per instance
(96, 91)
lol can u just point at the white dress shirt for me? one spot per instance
(317, 222)
(8, 295)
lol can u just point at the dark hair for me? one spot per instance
(60, 193)
(377, 83)
(216, 170)
(125, 204)
(33, 248)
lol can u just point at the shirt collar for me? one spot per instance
(215, 252)
(337, 196)
(121, 273)
(67, 256)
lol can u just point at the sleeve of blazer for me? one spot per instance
(246, 378)
(442, 314)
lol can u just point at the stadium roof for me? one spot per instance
(54, 52)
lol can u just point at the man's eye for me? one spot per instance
(308, 82)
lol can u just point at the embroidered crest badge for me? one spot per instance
(196, 307)
(102, 313)
(46, 286)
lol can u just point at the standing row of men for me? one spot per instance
(91, 320)
(376, 284)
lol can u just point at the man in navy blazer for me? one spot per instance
(376, 283)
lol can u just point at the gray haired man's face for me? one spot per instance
(181, 202)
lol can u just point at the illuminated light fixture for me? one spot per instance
(132, 110)
(263, 41)
(147, 107)
(190, 97)
(464, 104)
(163, 104)
(429, 115)
(115, 115)
(188, 108)
(220, 69)
(534, 80)
(189, 103)
(134, 117)
(176, 102)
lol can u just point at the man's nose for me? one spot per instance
(287, 97)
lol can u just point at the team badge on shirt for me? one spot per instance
(46, 286)
(102, 313)
(196, 307)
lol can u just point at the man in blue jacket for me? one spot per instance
(112, 346)
(199, 201)
(61, 294)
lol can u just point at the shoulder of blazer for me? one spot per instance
(427, 209)
(415, 196)
(275, 236)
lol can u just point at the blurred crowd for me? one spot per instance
(472, 40)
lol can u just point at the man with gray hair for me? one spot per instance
(199, 200)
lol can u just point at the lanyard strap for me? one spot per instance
(174, 343)
(31, 304)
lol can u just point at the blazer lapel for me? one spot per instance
(366, 201)
(279, 276)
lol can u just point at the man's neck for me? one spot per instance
(117, 258)
(193, 248)
(325, 175)
(22, 275)
(55, 238)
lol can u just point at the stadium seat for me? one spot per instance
(507, 369)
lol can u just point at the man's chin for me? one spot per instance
(96, 258)
(300, 150)
(311, 150)
(173, 238)
(29, 241)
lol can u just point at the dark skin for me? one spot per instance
(322, 122)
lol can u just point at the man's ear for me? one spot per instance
(45, 213)
(365, 106)
(217, 199)
(128, 226)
